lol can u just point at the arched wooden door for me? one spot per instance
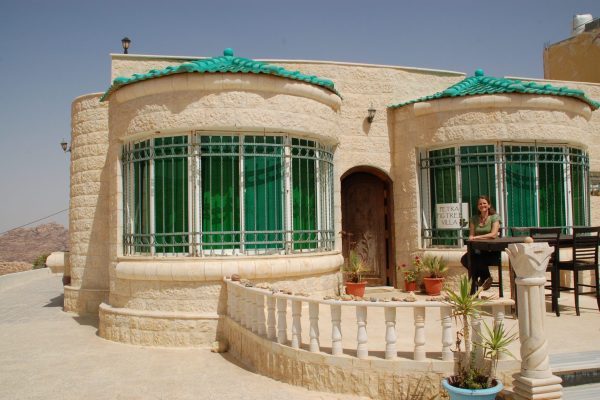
(366, 224)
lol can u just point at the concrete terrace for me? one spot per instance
(46, 353)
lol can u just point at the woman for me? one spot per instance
(485, 225)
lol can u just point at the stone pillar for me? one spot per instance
(535, 381)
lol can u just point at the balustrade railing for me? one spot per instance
(265, 313)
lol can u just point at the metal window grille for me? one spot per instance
(203, 195)
(528, 183)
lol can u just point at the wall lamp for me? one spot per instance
(371, 114)
(125, 42)
(65, 146)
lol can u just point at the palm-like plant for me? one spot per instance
(466, 305)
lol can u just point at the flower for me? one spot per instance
(410, 275)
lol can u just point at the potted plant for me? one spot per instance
(475, 377)
(435, 267)
(411, 276)
(354, 269)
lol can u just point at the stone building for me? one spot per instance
(190, 169)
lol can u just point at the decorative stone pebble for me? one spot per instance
(373, 299)
(385, 300)
(263, 285)
(411, 297)
(235, 278)
(347, 297)
(397, 299)
(330, 297)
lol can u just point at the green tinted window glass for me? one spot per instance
(442, 175)
(171, 194)
(520, 169)
(579, 185)
(478, 175)
(220, 172)
(142, 239)
(304, 201)
(263, 192)
(551, 186)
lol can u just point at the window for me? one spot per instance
(529, 184)
(204, 194)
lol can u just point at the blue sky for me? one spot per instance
(54, 51)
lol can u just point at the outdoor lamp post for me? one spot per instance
(371, 114)
(64, 146)
(125, 42)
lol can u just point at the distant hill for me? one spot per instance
(26, 244)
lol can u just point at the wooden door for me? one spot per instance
(365, 225)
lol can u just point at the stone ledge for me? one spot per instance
(202, 269)
(157, 328)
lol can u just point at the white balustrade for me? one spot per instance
(419, 350)
(390, 333)
(313, 312)
(260, 315)
(447, 333)
(296, 324)
(362, 349)
(247, 305)
(271, 327)
(336, 330)
(281, 320)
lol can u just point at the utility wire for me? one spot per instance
(37, 220)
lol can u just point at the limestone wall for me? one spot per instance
(88, 212)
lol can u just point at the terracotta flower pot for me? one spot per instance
(410, 286)
(356, 288)
(433, 286)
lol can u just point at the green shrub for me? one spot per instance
(40, 262)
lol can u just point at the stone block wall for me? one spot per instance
(88, 212)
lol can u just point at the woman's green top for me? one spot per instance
(485, 228)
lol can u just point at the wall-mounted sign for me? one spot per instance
(449, 215)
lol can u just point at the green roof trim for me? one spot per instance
(225, 63)
(479, 84)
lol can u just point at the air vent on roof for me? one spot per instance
(590, 26)
(579, 22)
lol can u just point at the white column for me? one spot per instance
(419, 315)
(271, 328)
(313, 313)
(296, 324)
(281, 321)
(447, 334)
(252, 312)
(476, 325)
(260, 314)
(242, 307)
(498, 311)
(390, 333)
(529, 261)
(336, 330)
(362, 348)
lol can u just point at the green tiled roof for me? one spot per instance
(226, 63)
(480, 84)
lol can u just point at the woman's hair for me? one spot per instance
(486, 198)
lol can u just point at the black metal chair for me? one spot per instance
(552, 237)
(585, 258)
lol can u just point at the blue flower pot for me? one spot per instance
(466, 394)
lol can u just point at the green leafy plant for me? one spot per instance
(435, 266)
(410, 275)
(355, 267)
(494, 341)
(40, 261)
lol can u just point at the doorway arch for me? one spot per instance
(367, 222)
